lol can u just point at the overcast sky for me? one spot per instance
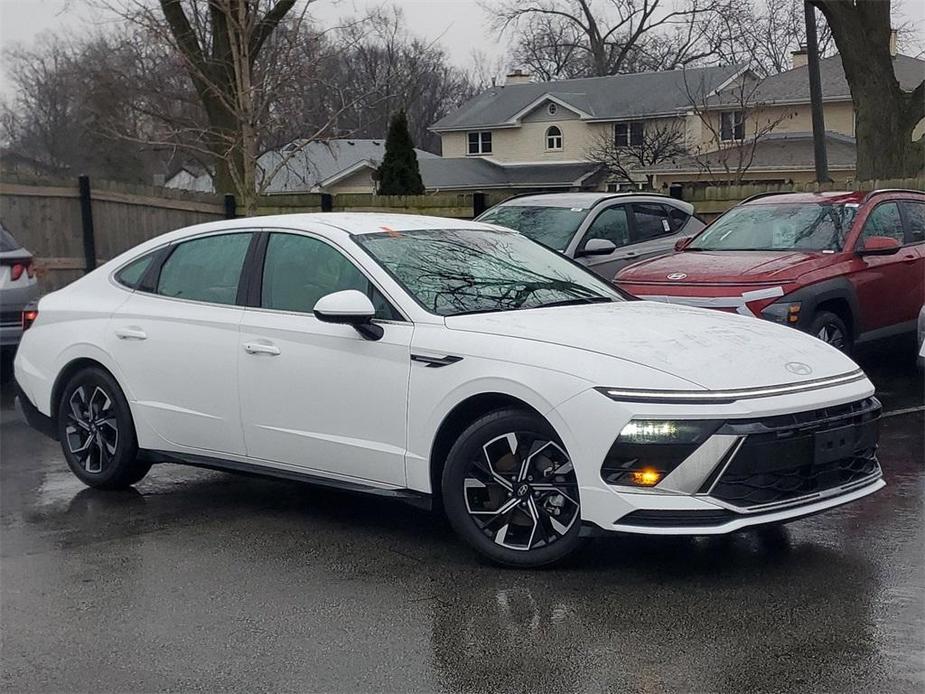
(459, 25)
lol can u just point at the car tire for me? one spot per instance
(510, 490)
(97, 433)
(832, 330)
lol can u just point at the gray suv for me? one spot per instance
(605, 231)
(18, 288)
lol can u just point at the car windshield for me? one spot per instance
(455, 271)
(780, 227)
(7, 242)
(553, 227)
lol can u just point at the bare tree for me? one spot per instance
(734, 123)
(661, 140)
(570, 38)
(886, 114)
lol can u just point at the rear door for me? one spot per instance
(175, 341)
(889, 287)
(655, 228)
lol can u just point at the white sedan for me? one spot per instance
(424, 358)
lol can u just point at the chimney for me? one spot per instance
(893, 36)
(799, 57)
(517, 76)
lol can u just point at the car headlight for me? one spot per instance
(786, 312)
(647, 450)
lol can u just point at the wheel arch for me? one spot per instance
(459, 418)
(67, 372)
(836, 295)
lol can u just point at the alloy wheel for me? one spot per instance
(92, 429)
(522, 491)
(832, 335)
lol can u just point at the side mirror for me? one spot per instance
(349, 307)
(597, 247)
(879, 245)
(681, 244)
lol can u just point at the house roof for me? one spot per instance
(616, 97)
(312, 165)
(469, 173)
(775, 152)
(792, 86)
(322, 162)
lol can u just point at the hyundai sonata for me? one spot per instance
(423, 358)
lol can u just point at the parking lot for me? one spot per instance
(201, 580)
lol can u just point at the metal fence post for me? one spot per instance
(327, 202)
(231, 206)
(86, 222)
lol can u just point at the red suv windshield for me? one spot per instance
(782, 227)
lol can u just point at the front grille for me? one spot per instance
(10, 318)
(800, 455)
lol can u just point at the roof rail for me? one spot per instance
(882, 191)
(603, 198)
(757, 196)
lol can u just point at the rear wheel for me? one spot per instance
(832, 330)
(97, 433)
(510, 490)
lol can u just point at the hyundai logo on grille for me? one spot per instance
(677, 276)
(798, 368)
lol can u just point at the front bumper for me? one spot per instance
(764, 486)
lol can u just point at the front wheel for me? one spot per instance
(97, 433)
(832, 330)
(510, 490)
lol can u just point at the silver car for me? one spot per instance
(18, 288)
(604, 231)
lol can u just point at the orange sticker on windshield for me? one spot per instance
(391, 232)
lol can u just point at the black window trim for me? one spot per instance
(254, 265)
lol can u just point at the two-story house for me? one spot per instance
(731, 127)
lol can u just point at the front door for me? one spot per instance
(316, 396)
(889, 287)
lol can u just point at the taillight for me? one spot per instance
(29, 314)
(17, 268)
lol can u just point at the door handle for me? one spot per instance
(131, 333)
(261, 348)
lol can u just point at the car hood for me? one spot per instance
(708, 348)
(722, 267)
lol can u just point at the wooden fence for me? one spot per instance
(711, 201)
(46, 216)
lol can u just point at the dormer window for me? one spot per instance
(553, 139)
(479, 143)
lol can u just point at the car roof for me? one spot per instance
(833, 197)
(583, 201)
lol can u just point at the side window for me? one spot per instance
(915, 221)
(131, 274)
(651, 221)
(206, 269)
(611, 224)
(299, 270)
(884, 220)
(677, 218)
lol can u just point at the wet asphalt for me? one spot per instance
(206, 581)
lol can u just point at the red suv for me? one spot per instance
(846, 267)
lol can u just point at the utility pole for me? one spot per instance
(815, 94)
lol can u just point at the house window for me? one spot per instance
(629, 134)
(731, 126)
(553, 138)
(480, 143)
(552, 109)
